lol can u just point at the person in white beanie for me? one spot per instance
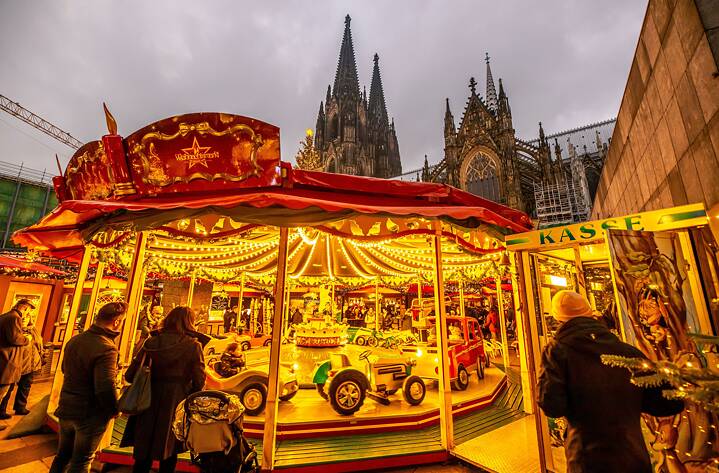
(601, 405)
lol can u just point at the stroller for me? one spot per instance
(209, 423)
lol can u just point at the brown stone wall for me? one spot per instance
(665, 147)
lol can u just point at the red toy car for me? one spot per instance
(465, 349)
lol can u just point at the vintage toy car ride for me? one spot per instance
(218, 343)
(250, 384)
(465, 349)
(346, 387)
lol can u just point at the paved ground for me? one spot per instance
(34, 453)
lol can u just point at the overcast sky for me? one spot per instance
(564, 63)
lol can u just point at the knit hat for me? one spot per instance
(568, 304)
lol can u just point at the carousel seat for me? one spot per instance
(215, 381)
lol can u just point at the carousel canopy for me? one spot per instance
(212, 192)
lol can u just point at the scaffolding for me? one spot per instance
(560, 203)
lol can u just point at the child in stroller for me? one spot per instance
(209, 423)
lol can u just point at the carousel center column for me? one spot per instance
(268, 440)
(69, 326)
(446, 421)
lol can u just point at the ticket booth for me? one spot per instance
(652, 278)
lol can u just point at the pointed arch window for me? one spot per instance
(482, 177)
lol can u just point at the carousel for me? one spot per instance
(204, 199)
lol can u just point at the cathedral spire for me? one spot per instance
(491, 96)
(377, 108)
(425, 170)
(448, 121)
(346, 81)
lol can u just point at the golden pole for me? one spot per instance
(242, 293)
(99, 274)
(502, 324)
(376, 304)
(191, 289)
(522, 330)
(133, 295)
(446, 421)
(419, 292)
(71, 319)
(581, 279)
(332, 304)
(268, 439)
(533, 357)
(286, 311)
(461, 296)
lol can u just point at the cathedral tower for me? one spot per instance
(354, 135)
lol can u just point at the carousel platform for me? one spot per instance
(367, 441)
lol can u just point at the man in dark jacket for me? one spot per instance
(601, 405)
(12, 341)
(88, 399)
(229, 319)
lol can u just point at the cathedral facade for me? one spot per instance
(353, 133)
(547, 177)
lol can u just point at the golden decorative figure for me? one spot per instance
(111, 123)
(307, 157)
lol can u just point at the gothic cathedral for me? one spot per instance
(484, 156)
(354, 135)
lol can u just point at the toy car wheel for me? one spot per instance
(347, 392)
(267, 342)
(414, 390)
(360, 341)
(245, 346)
(371, 341)
(287, 397)
(462, 381)
(254, 397)
(480, 368)
(487, 361)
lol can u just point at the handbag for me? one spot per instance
(137, 396)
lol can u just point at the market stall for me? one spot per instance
(651, 277)
(206, 196)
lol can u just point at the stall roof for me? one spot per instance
(305, 198)
(28, 266)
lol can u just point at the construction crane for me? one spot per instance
(17, 110)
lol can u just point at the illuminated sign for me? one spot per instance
(665, 219)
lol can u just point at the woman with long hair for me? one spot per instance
(174, 355)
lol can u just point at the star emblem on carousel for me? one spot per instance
(196, 154)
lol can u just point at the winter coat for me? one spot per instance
(177, 370)
(600, 403)
(229, 319)
(12, 341)
(33, 352)
(90, 369)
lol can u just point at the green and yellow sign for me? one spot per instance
(656, 220)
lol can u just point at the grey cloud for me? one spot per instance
(564, 63)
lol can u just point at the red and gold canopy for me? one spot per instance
(211, 191)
